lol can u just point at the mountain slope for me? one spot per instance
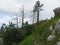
(41, 32)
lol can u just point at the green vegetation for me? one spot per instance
(13, 35)
(35, 34)
(28, 39)
(41, 32)
(31, 35)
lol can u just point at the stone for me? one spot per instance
(51, 37)
(58, 43)
(50, 28)
(53, 32)
(57, 27)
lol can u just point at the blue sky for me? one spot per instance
(8, 9)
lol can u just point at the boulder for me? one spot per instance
(50, 28)
(51, 37)
(56, 11)
(58, 43)
(53, 32)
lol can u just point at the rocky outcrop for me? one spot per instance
(57, 11)
(57, 27)
(54, 31)
(51, 37)
(50, 28)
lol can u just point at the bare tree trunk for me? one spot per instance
(33, 17)
(38, 16)
(17, 21)
(23, 17)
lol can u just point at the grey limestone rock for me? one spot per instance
(51, 37)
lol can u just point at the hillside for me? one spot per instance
(41, 33)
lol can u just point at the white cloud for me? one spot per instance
(5, 20)
(12, 6)
(9, 6)
(28, 20)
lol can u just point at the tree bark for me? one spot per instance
(38, 16)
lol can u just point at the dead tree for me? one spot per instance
(23, 17)
(17, 20)
(37, 8)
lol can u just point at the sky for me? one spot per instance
(9, 8)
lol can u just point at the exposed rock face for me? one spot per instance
(57, 11)
(58, 43)
(51, 37)
(53, 32)
(50, 28)
(57, 27)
